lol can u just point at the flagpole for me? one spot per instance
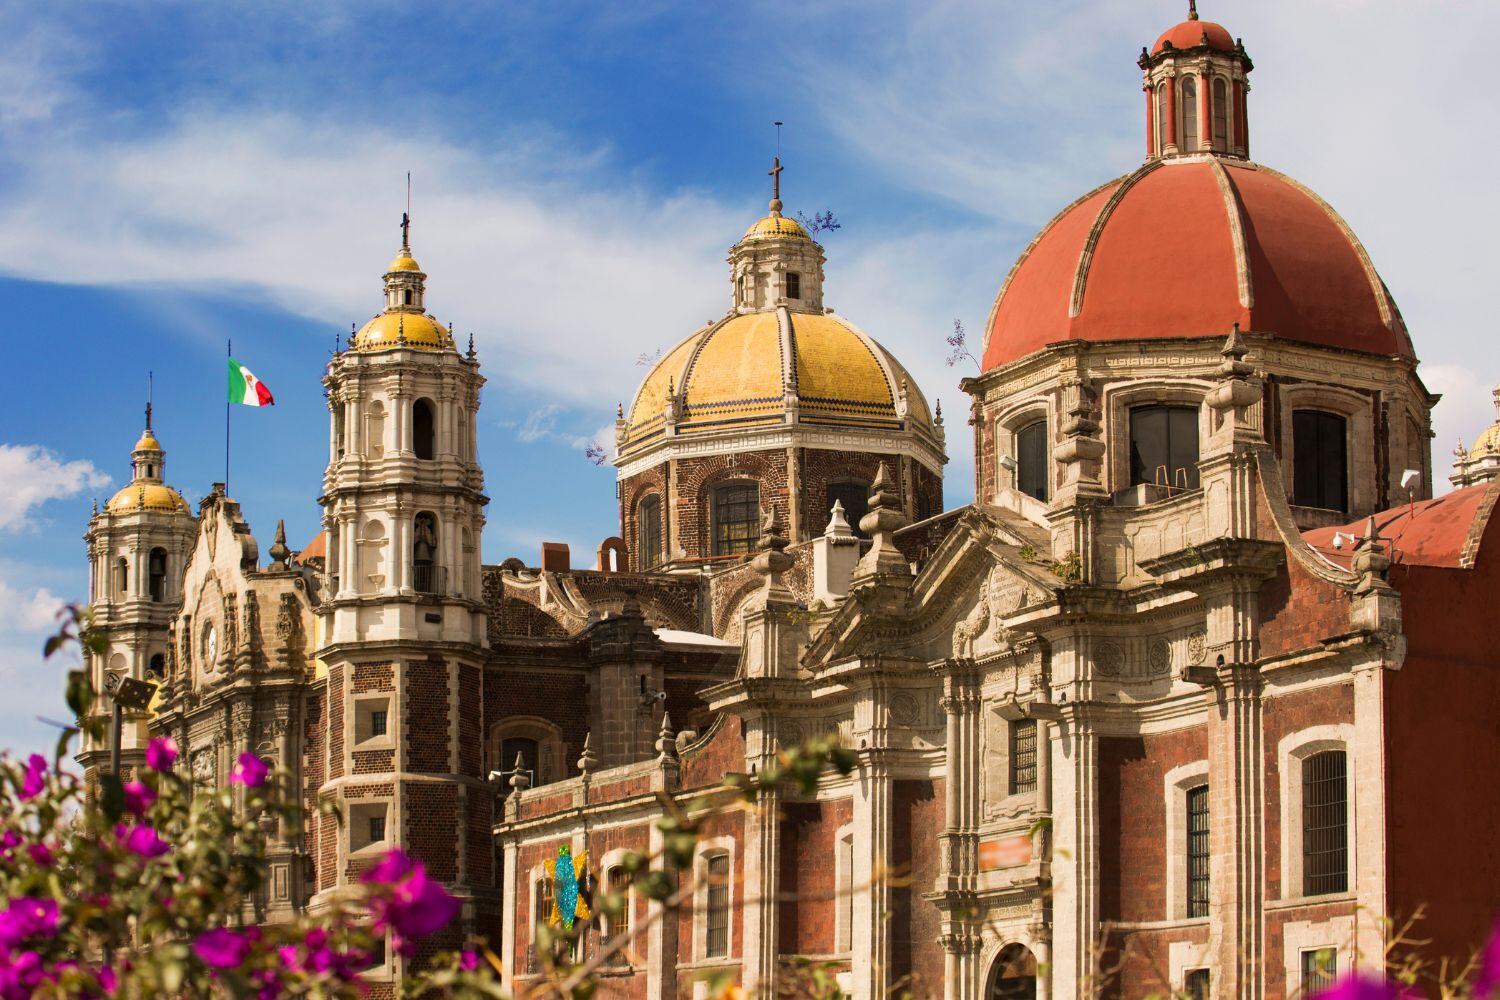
(228, 354)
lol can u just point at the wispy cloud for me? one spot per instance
(31, 475)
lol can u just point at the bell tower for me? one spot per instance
(138, 545)
(402, 632)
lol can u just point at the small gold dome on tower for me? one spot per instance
(403, 261)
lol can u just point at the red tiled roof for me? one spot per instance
(1426, 533)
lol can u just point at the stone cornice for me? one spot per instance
(872, 440)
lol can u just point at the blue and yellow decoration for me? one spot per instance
(567, 874)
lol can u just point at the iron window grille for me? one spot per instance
(736, 519)
(377, 829)
(619, 924)
(1195, 984)
(716, 922)
(541, 915)
(1197, 851)
(1023, 756)
(1325, 823)
(1319, 969)
(378, 722)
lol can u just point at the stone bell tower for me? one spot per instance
(403, 630)
(138, 545)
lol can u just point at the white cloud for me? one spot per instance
(31, 475)
(25, 609)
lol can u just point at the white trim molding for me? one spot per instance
(1291, 751)
(1178, 781)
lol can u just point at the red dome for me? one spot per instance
(1192, 34)
(1186, 248)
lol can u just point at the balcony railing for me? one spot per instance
(429, 579)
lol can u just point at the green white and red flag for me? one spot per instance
(245, 388)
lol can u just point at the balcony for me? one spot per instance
(427, 578)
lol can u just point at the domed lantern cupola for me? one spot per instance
(777, 262)
(1196, 87)
(405, 281)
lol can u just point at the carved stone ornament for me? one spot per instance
(1161, 657)
(904, 709)
(252, 619)
(1197, 646)
(203, 768)
(1109, 659)
(288, 618)
(974, 626)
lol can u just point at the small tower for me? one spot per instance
(1195, 79)
(1481, 463)
(403, 625)
(777, 263)
(138, 545)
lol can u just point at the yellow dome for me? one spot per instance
(413, 330)
(147, 442)
(403, 262)
(139, 496)
(1488, 443)
(734, 374)
(773, 226)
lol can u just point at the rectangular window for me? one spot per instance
(716, 917)
(793, 285)
(1319, 969)
(1197, 851)
(540, 915)
(736, 518)
(1023, 756)
(377, 829)
(1195, 984)
(648, 530)
(1164, 446)
(1319, 460)
(1033, 460)
(1325, 823)
(377, 722)
(619, 925)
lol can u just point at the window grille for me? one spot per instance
(540, 915)
(377, 829)
(648, 531)
(1325, 823)
(1319, 969)
(1023, 756)
(619, 925)
(716, 922)
(1195, 984)
(1197, 851)
(378, 722)
(793, 285)
(736, 519)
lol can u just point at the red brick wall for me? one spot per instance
(1275, 948)
(723, 754)
(471, 721)
(314, 769)
(918, 819)
(1280, 717)
(561, 697)
(632, 491)
(809, 852)
(426, 716)
(697, 477)
(1297, 609)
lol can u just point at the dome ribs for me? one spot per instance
(1234, 211)
(1091, 243)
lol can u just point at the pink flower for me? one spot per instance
(27, 917)
(41, 854)
(468, 961)
(138, 798)
(145, 841)
(222, 948)
(415, 905)
(108, 980)
(36, 777)
(1363, 986)
(161, 753)
(20, 974)
(251, 771)
(394, 865)
(1487, 983)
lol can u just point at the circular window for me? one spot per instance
(210, 646)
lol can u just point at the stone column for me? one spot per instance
(661, 939)
(1236, 844)
(510, 890)
(1075, 864)
(1171, 92)
(1205, 110)
(870, 942)
(960, 838)
(762, 882)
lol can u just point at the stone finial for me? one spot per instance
(279, 552)
(903, 401)
(1371, 559)
(518, 780)
(838, 522)
(471, 354)
(666, 746)
(620, 411)
(937, 416)
(586, 760)
(772, 561)
(881, 523)
(1459, 452)
(1233, 353)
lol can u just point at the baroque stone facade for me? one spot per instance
(1165, 709)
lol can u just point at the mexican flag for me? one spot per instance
(245, 388)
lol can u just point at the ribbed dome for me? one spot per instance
(776, 225)
(1488, 442)
(411, 330)
(403, 262)
(139, 496)
(739, 372)
(1187, 247)
(1193, 33)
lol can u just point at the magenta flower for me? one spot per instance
(1363, 986)
(35, 778)
(161, 753)
(1487, 983)
(41, 854)
(20, 974)
(108, 981)
(415, 905)
(222, 948)
(138, 798)
(251, 771)
(468, 961)
(394, 865)
(25, 918)
(145, 841)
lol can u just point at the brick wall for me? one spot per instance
(1280, 717)
(809, 852)
(918, 819)
(426, 716)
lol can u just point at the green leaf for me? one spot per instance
(80, 693)
(111, 796)
(63, 740)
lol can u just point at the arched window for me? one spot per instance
(855, 496)
(1188, 111)
(375, 430)
(1161, 119)
(528, 750)
(122, 575)
(648, 533)
(157, 667)
(617, 883)
(1033, 460)
(736, 518)
(1320, 470)
(1197, 851)
(338, 430)
(1164, 446)
(1325, 823)
(716, 910)
(422, 428)
(156, 566)
(406, 297)
(1013, 976)
(1221, 114)
(425, 578)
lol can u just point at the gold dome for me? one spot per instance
(147, 442)
(403, 262)
(1488, 443)
(139, 496)
(412, 330)
(735, 373)
(776, 225)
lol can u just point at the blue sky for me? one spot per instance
(173, 174)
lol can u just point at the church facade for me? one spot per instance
(1173, 705)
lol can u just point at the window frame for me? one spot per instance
(1016, 782)
(793, 285)
(1291, 750)
(1313, 465)
(649, 557)
(1197, 847)
(1018, 448)
(1335, 762)
(707, 851)
(1191, 479)
(1220, 117)
(1176, 785)
(430, 438)
(1187, 113)
(725, 548)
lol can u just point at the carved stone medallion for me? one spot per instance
(1109, 659)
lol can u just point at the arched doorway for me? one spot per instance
(1013, 976)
